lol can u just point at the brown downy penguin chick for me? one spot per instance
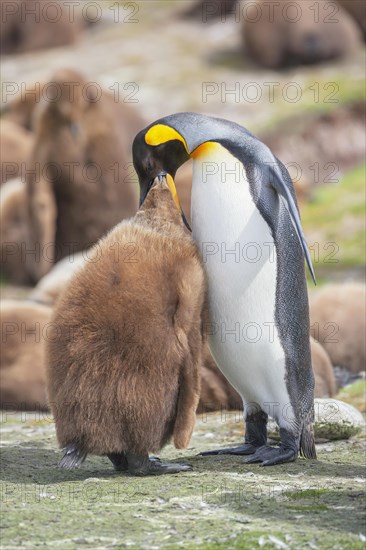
(357, 9)
(28, 25)
(83, 139)
(325, 382)
(123, 372)
(13, 231)
(22, 355)
(16, 143)
(217, 393)
(292, 33)
(20, 110)
(338, 321)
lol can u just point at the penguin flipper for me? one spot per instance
(279, 185)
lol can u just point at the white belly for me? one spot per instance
(239, 254)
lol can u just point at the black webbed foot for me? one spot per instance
(269, 456)
(244, 449)
(286, 452)
(255, 436)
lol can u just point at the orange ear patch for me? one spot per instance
(205, 149)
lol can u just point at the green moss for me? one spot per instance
(251, 543)
(306, 493)
(336, 430)
(320, 507)
(354, 390)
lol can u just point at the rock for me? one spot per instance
(333, 420)
(336, 420)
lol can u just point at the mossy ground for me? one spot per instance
(222, 504)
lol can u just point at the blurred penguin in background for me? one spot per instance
(15, 147)
(28, 25)
(338, 320)
(357, 9)
(79, 180)
(284, 33)
(22, 356)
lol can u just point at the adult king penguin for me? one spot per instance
(246, 222)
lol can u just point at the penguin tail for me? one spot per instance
(307, 441)
(73, 457)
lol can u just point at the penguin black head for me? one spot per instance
(157, 149)
(170, 141)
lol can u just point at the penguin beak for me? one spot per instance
(171, 186)
(174, 193)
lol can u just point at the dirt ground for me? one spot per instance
(221, 504)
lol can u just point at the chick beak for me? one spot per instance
(160, 178)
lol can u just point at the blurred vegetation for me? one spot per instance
(354, 394)
(334, 224)
(320, 95)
